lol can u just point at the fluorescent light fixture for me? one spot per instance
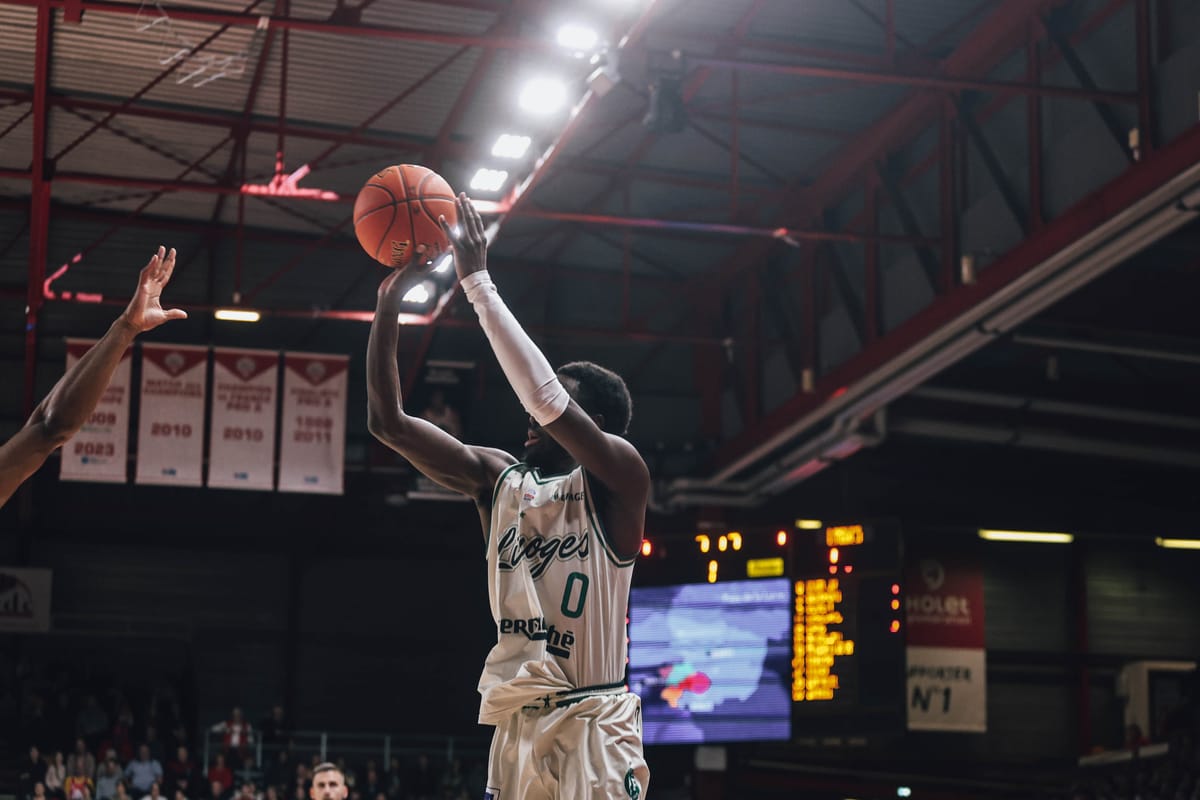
(543, 95)
(489, 180)
(809, 524)
(237, 315)
(1025, 536)
(577, 38)
(444, 263)
(509, 145)
(420, 293)
(1178, 544)
(903, 791)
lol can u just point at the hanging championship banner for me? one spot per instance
(241, 433)
(99, 451)
(24, 599)
(171, 415)
(947, 657)
(312, 447)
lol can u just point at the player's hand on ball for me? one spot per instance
(145, 310)
(469, 243)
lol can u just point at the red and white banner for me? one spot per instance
(171, 415)
(947, 659)
(99, 451)
(241, 437)
(312, 448)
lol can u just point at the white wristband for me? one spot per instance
(528, 372)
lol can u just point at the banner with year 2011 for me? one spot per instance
(241, 437)
(312, 447)
(171, 415)
(99, 451)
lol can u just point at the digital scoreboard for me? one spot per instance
(845, 605)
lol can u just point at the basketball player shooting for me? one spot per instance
(73, 399)
(563, 527)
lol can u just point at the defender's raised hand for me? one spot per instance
(470, 243)
(145, 311)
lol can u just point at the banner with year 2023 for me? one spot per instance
(99, 451)
(171, 415)
(312, 447)
(241, 437)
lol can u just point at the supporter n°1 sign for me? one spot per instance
(99, 451)
(947, 659)
(171, 415)
(241, 449)
(312, 447)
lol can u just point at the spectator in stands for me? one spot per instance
(56, 775)
(154, 743)
(275, 729)
(248, 792)
(81, 758)
(453, 779)
(180, 794)
(79, 785)
(155, 792)
(372, 785)
(217, 791)
(181, 773)
(219, 773)
(395, 780)
(143, 772)
(36, 727)
(270, 793)
(423, 780)
(279, 769)
(122, 791)
(39, 792)
(107, 780)
(122, 733)
(91, 723)
(237, 732)
(31, 772)
(348, 774)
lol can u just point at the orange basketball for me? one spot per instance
(397, 211)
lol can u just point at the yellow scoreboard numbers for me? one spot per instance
(814, 645)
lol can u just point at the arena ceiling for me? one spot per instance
(895, 250)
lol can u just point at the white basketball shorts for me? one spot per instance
(588, 750)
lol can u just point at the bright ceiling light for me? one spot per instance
(237, 315)
(444, 263)
(809, 524)
(511, 146)
(579, 39)
(1178, 544)
(1025, 536)
(420, 293)
(489, 180)
(543, 95)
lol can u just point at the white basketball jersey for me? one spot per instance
(559, 594)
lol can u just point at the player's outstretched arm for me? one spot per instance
(610, 459)
(438, 455)
(73, 399)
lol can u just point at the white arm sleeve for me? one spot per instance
(527, 370)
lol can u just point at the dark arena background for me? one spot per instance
(905, 292)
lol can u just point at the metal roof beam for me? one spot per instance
(1054, 24)
(245, 19)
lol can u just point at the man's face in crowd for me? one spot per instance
(328, 785)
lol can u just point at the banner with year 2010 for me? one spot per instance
(241, 437)
(99, 451)
(171, 415)
(312, 447)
